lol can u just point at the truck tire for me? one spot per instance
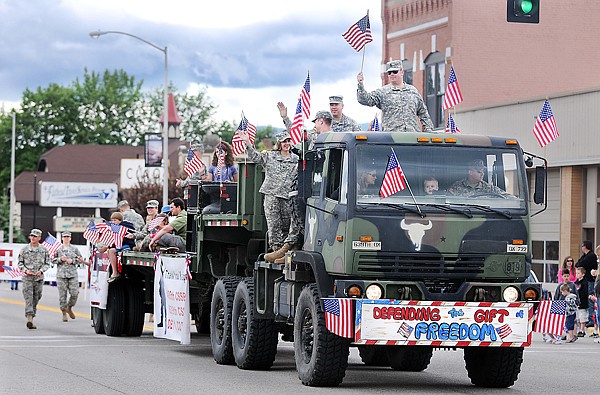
(220, 319)
(409, 358)
(254, 340)
(321, 357)
(114, 315)
(493, 367)
(374, 355)
(134, 320)
(97, 321)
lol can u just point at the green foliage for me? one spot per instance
(18, 236)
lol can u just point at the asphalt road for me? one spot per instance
(69, 358)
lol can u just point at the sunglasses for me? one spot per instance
(570, 260)
(393, 72)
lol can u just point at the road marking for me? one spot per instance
(42, 307)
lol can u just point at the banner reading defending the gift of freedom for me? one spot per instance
(171, 299)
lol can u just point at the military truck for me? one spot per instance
(396, 277)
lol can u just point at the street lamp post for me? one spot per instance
(165, 159)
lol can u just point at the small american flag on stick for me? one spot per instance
(359, 34)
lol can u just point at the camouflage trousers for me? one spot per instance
(278, 213)
(296, 231)
(67, 286)
(32, 292)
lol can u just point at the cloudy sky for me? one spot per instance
(249, 54)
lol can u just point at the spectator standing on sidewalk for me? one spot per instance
(570, 312)
(582, 291)
(588, 261)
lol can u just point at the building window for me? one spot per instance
(545, 261)
(435, 87)
(408, 72)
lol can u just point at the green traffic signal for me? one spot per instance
(526, 6)
(523, 11)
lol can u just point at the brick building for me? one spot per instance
(505, 71)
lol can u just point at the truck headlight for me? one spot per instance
(510, 294)
(374, 291)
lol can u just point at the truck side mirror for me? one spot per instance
(539, 194)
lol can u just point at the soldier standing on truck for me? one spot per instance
(341, 122)
(400, 103)
(34, 260)
(66, 259)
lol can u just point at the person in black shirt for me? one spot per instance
(589, 262)
(582, 290)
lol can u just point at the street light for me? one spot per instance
(165, 163)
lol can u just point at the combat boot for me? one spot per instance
(30, 322)
(280, 253)
(64, 313)
(70, 312)
(269, 256)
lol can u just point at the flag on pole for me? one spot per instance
(91, 233)
(192, 164)
(359, 34)
(106, 236)
(551, 316)
(297, 124)
(339, 317)
(375, 125)
(451, 126)
(453, 95)
(155, 222)
(13, 272)
(305, 97)
(237, 144)
(393, 179)
(220, 163)
(545, 129)
(51, 244)
(118, 233)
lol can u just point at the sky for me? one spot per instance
(248, 55)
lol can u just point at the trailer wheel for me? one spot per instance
(134, 321)
(493, 367)
(97, 321)
(409, 358)
(374, 355)
(220, 319)
(114, 315)
(254, 340)
(321, 357)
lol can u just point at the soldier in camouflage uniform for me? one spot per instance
(66, 259)
(474, 184)
(201, 174)
(280, 166)
(34, 260)
(130, 215)
(399, 102)
(341, 122)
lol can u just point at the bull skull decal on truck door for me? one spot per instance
(415, 232)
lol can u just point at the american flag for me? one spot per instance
(91, 233)
(13, 272)
(238, 145)
(192, 164)
(405, 330)
(359, 34)
(551, 316)
(118, 233)
(305, 97)
(453, 95)
(545, 129)
(51, 244)
(393, 179)
(451, 126)
(155, 222)
(296, 128)
(375, 125)
(188, 262)
(106, 236)
(504, 331)
(339, 317)
(220, 163)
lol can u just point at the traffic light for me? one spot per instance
(523, 11)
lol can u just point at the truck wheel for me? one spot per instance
(493, 367)
(114, 315)
(321, 357)
(97, 321)
(374, 355)
(409, 358)
(220, 319)
(134, 322)
(254, 340)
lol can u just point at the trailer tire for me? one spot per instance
(114, 315)
(493, 367)
(409, 358)
(321, 357)
(374, 355)
(220, 319)
(254, 340)
(97, 321)
(134, 321)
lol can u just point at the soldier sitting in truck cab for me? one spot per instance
(474, 184)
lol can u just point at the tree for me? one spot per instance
(5, 221)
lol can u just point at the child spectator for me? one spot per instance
(549, 337)
(582, 290)
(570, 312)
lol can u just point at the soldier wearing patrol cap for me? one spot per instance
(474, 183)
(66, 259)
(341, 122)
(198, 149)
(400, 103)
(33, 260)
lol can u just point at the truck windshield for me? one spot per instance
(487, 177)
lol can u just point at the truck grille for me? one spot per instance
(420, 265)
